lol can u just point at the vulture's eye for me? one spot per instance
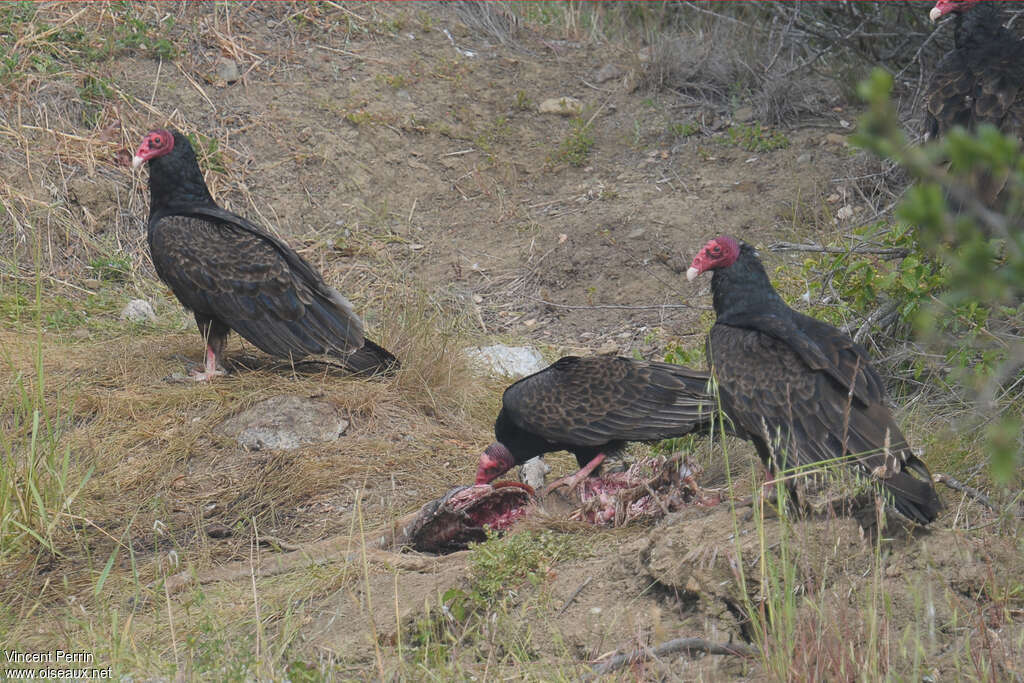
(716, 251)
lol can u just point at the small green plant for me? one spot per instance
(503, 563)
(393, 81)
(576, 146)
(523, 102)
(208, 151)
(94, 89)
(496, 133)
(683, 129)
(675, 353)
(111, 267)
(754, 138)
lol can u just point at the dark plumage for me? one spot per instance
(234, 276)
(592, 407)
(800, 389)
(982, 79)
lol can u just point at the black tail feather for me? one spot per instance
(372, 359)
(914, 497)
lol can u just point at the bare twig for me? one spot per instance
(689, 645)
(618, 307)
(895, 252)
(574, 594)
(970, 492)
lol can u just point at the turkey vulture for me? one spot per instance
(234, 276)
(982, 79)
(592, 407)
(800, 389)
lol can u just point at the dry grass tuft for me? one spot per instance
(725, 63)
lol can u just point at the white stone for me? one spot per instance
(534, 472)
(510, 361)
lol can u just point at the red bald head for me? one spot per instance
(494, 462)
(944, 7)
(718, 253)
(156, 144)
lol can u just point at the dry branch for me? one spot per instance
(969, 491)
(689, 645)
(894, 252)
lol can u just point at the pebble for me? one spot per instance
(138, 311)
(563, 106)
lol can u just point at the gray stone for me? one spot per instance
(227, 70)
(744, 114)
(284, 423)
(608, 72)
(138, 311)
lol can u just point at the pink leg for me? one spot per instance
(211, 367)
(573, 480)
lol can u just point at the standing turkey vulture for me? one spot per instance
(234, 276)
(800, 389)
(981, 80)
(592, 407)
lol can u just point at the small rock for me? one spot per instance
(284, 422)
(836, 139)
(227, 70)
(804, 158)
(644, 55)
(511, 361)
(217, 530)
(608, 72)
(744, 114)
(534, 472)
(832, 198)
(845, 213)
(636, 234)
(138, 311)
(563, 106)
(607, 348)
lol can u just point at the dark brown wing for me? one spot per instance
(983, 87)
(804, 416)
(223, 267)
(591, 401)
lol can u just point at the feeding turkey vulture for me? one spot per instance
(234, 276)
(981, 80)
(592, 407)
(800, 389)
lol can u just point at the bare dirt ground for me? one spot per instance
(404, 154)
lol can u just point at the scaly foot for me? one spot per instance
(573, 480)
